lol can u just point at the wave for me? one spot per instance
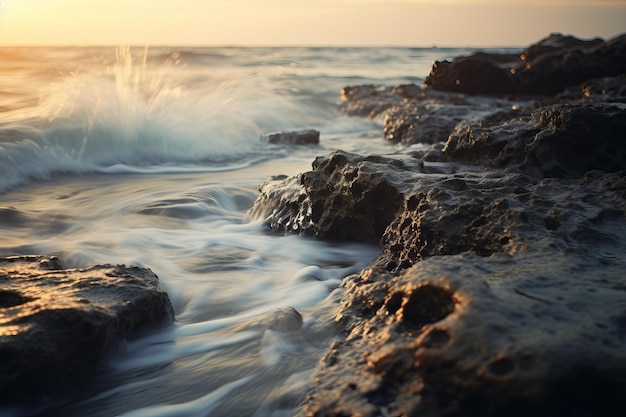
(138, 117)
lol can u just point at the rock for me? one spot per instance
(547, 67)
(302, 137)
(411, 114)
(344, 197)
(560, 140)
(496, 295)
(371, 101)
(499, 289)
(471, 76)
(285, 320)
(556, 42)
(460, 336)
(57, 325)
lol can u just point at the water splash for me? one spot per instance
(135, 114)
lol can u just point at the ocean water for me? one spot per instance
(152, 157)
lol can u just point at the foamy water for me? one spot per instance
(153, 157)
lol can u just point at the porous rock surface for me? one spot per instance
(57, 325)
(499, 289)
(412, 114)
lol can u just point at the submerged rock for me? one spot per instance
(57, 325)
(285, 320)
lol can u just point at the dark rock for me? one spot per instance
(302, 137)
(403, 127)
(471, 76)
(561, 140)
(459, 336)
(553, 72)
(411, 114)
(370, 101)
(547, 67)
(511, 306)
(57, 325)
(344, 197)
(604, 90)
(499, 289)
(556, 42)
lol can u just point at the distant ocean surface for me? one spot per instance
(152, 157)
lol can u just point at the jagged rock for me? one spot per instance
(531, 335)
(301, 137)
(411, 114)
(499, 289)
(527, 319)
(404, 127)
(604, 90)
(368, 100)
(547, 67)
(57, 325)
(561, 140)
(344, 197)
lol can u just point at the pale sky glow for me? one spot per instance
(305, 22)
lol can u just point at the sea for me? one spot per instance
(152, 156)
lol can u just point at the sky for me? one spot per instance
(305, 22)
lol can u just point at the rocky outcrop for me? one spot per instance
(536, 334)
(57, 325)
(475, 305)
(411, 114)
(547, 67)
(499, 289)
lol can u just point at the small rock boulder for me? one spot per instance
(301, 137)
(57, 325)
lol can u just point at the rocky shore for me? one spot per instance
(500, 288)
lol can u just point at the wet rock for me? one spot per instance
(460, 336)
(344, 197)
(557, 42)
(560, 140)
(407, 127)
(499, 287)
(547, 67)
(511, 324)
(411, 114)
(368, 100)
(301, 137)
(473, 306)
(284, 320)
(57, 325)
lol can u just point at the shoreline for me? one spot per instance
(498, 291)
